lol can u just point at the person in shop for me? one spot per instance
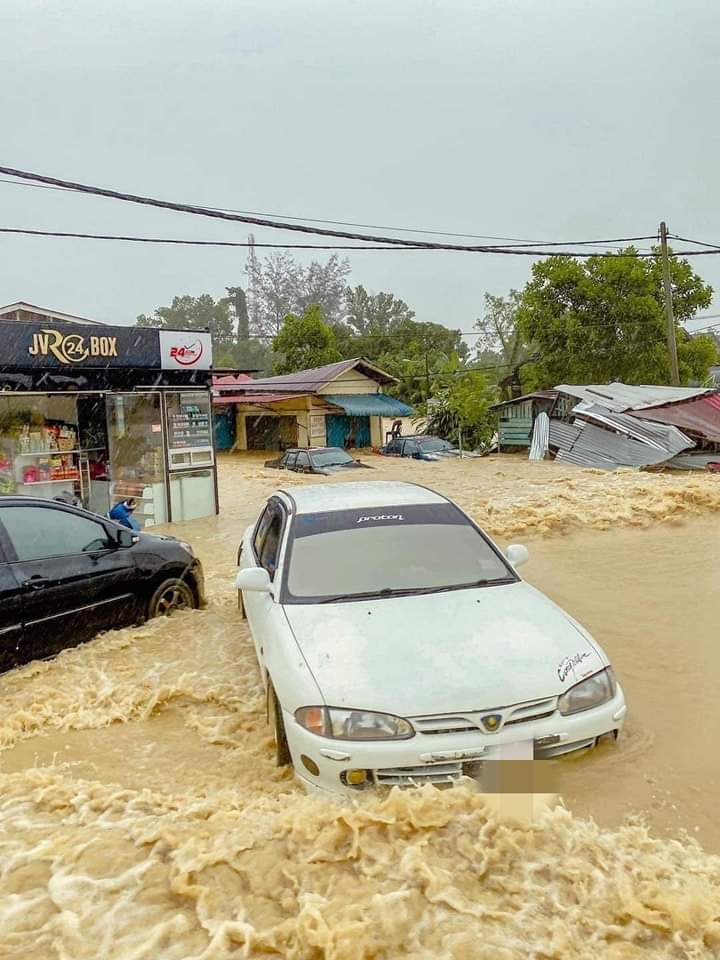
(123, 513)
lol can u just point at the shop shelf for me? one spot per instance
(41, 483)
(46, 453)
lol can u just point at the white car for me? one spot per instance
(398, 645)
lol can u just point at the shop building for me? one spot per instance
(100, 413)
(338, 405)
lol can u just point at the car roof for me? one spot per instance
(311, 449)
(324, 498)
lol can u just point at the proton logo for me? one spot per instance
(492, 722)
(188, 354)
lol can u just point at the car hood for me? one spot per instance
(461, 650)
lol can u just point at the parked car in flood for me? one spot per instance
(67, 574)
(321, 460)
(421, 447)
(398, 645)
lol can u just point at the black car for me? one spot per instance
(421, 447)
(322, 460)
(66, 574)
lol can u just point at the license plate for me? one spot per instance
(518, 750)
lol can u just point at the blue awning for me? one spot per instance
(368, 404)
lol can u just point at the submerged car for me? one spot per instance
(67, 574)
(398, 645)
(421, 447)
(321, 460)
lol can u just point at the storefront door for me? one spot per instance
(94, 455)
(137, 454)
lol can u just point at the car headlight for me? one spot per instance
(353, 724)
(590, 692)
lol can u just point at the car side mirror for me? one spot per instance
(254, 580)
(517, 554)
(125, 538)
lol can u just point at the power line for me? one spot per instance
(702, 243)
(196, 243)
(294, 227)
(373, 226)
(66, 234)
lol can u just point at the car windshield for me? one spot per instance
(331, 458)
(383, 551)
(433, 445)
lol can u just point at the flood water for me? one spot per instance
(142, 816)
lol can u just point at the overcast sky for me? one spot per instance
(535, 119)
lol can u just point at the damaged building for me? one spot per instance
(616, 425)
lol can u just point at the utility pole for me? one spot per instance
(670, 319)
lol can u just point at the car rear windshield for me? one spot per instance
(331, 458)
(350, 554)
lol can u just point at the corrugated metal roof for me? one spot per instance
(700, 416)
(597, 447)
(693, 461)
(607, 440)
(262, 398)
(310, 381)
(562, 435)
(368, 404)
(662, 436)
(621, 396)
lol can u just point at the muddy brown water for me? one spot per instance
(141, 815)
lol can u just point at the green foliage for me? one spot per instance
(304, 341)
(603, 320)
(461, 404)
(231, 347)
(377, 312)
(411, 351)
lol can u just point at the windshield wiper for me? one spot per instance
(415, 591)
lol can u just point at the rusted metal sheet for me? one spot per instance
(620, 397)
(700, 416)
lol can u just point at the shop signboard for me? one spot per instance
(64, 346)
(185, 350)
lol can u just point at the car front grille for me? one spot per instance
(472, 722)
(437, 773)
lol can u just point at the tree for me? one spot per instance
(195, 313)
(304, 341)
(500, 339)
(411, 351)
(376, 312)
(238, 300)
(461, 405)
(603, 320)
(230, 349)
(279, 285)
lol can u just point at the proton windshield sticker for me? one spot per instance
(310, 524)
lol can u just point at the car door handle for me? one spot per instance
(35, 583)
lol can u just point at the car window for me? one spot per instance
(303, 460)
(290, 463)
(283, 460)
(261, 531)
(37, 533)
(269, 553)
(393, 446)
(331, 458)
(410, 448)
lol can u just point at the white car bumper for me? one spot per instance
(441, 758)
